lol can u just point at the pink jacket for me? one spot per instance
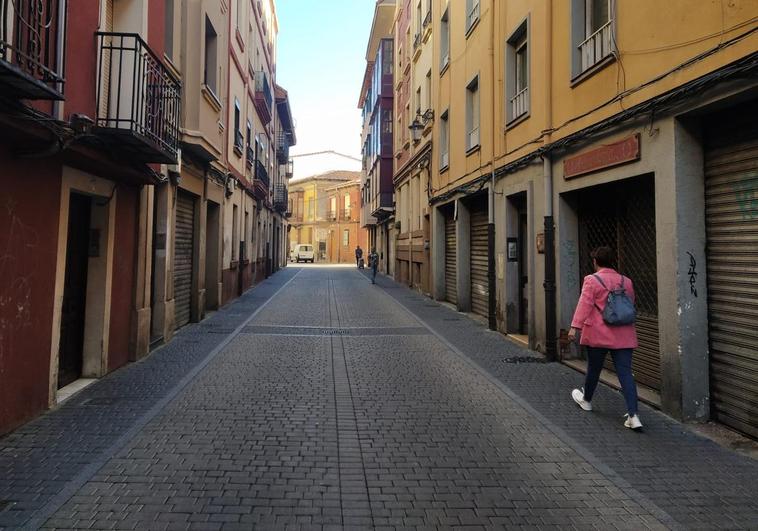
(587, 317)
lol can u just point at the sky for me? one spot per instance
(321, 58)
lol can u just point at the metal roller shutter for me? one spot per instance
(731, 207)
(479, 279)
(451, 288)
(183, 252)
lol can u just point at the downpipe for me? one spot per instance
(551, 350)
(492, 291)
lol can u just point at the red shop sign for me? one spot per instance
(621, 152)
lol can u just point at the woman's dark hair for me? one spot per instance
(603, 256)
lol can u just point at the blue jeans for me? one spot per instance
(622, 360)
(373, 275)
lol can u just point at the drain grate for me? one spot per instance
(524, 359)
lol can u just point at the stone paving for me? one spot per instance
(319, 401)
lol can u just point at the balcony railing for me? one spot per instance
(331, 215)
(597, 46)
(346, 214)
(282, 148)
(263, 98)
(250, 157)
(261, 174)
(138, 99)
(31, 49)
(519, 103)
(428, 18)
(281, 198)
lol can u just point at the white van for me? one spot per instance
(303, 252)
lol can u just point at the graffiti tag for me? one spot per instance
(692, 272)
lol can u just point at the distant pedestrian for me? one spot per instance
(358, 256)
(373, 262)
(605, 317)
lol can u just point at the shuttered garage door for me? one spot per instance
(451, 288)
(479, 281)
(183, 246)
(731, 189)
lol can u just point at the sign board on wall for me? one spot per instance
(608, 156)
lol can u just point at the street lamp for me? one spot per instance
(416, 129)
(420, 123)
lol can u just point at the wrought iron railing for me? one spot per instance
(263, 97)
(346, 214)
(137, 93)
(32, 33)
(428, 17)
(519, 103)
(281, 198)
(416, 41)
(331, 215)
(250, 157)
(261, 174)
(282, 148)
(597, 46)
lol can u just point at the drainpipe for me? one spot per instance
(551, 350)
(60, 55)
(491, 286)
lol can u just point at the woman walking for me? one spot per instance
(601, 334)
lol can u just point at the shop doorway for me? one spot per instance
(212, 256)
(71, 352)
(621, 215)
(517, 269)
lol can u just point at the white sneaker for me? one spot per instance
(632, 422)
(578, 396)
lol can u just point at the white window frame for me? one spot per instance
(472, 15)
(445, 139)
(592, 44)
(517, 92)
(473, 118)
(445, 39)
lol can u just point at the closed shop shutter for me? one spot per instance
(731, 206)
(183, 252)
(451, 288)
(479, 281)
(622, 215)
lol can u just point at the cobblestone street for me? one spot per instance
(320, 401)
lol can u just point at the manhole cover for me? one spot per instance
(524, 359)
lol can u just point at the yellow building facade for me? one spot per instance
(560, 126)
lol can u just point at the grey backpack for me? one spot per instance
(619, 308)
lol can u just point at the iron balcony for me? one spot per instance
(282, 148)
(281, 197)
(138, 99)
(32, 33)
(261, 176)
(263, 99)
